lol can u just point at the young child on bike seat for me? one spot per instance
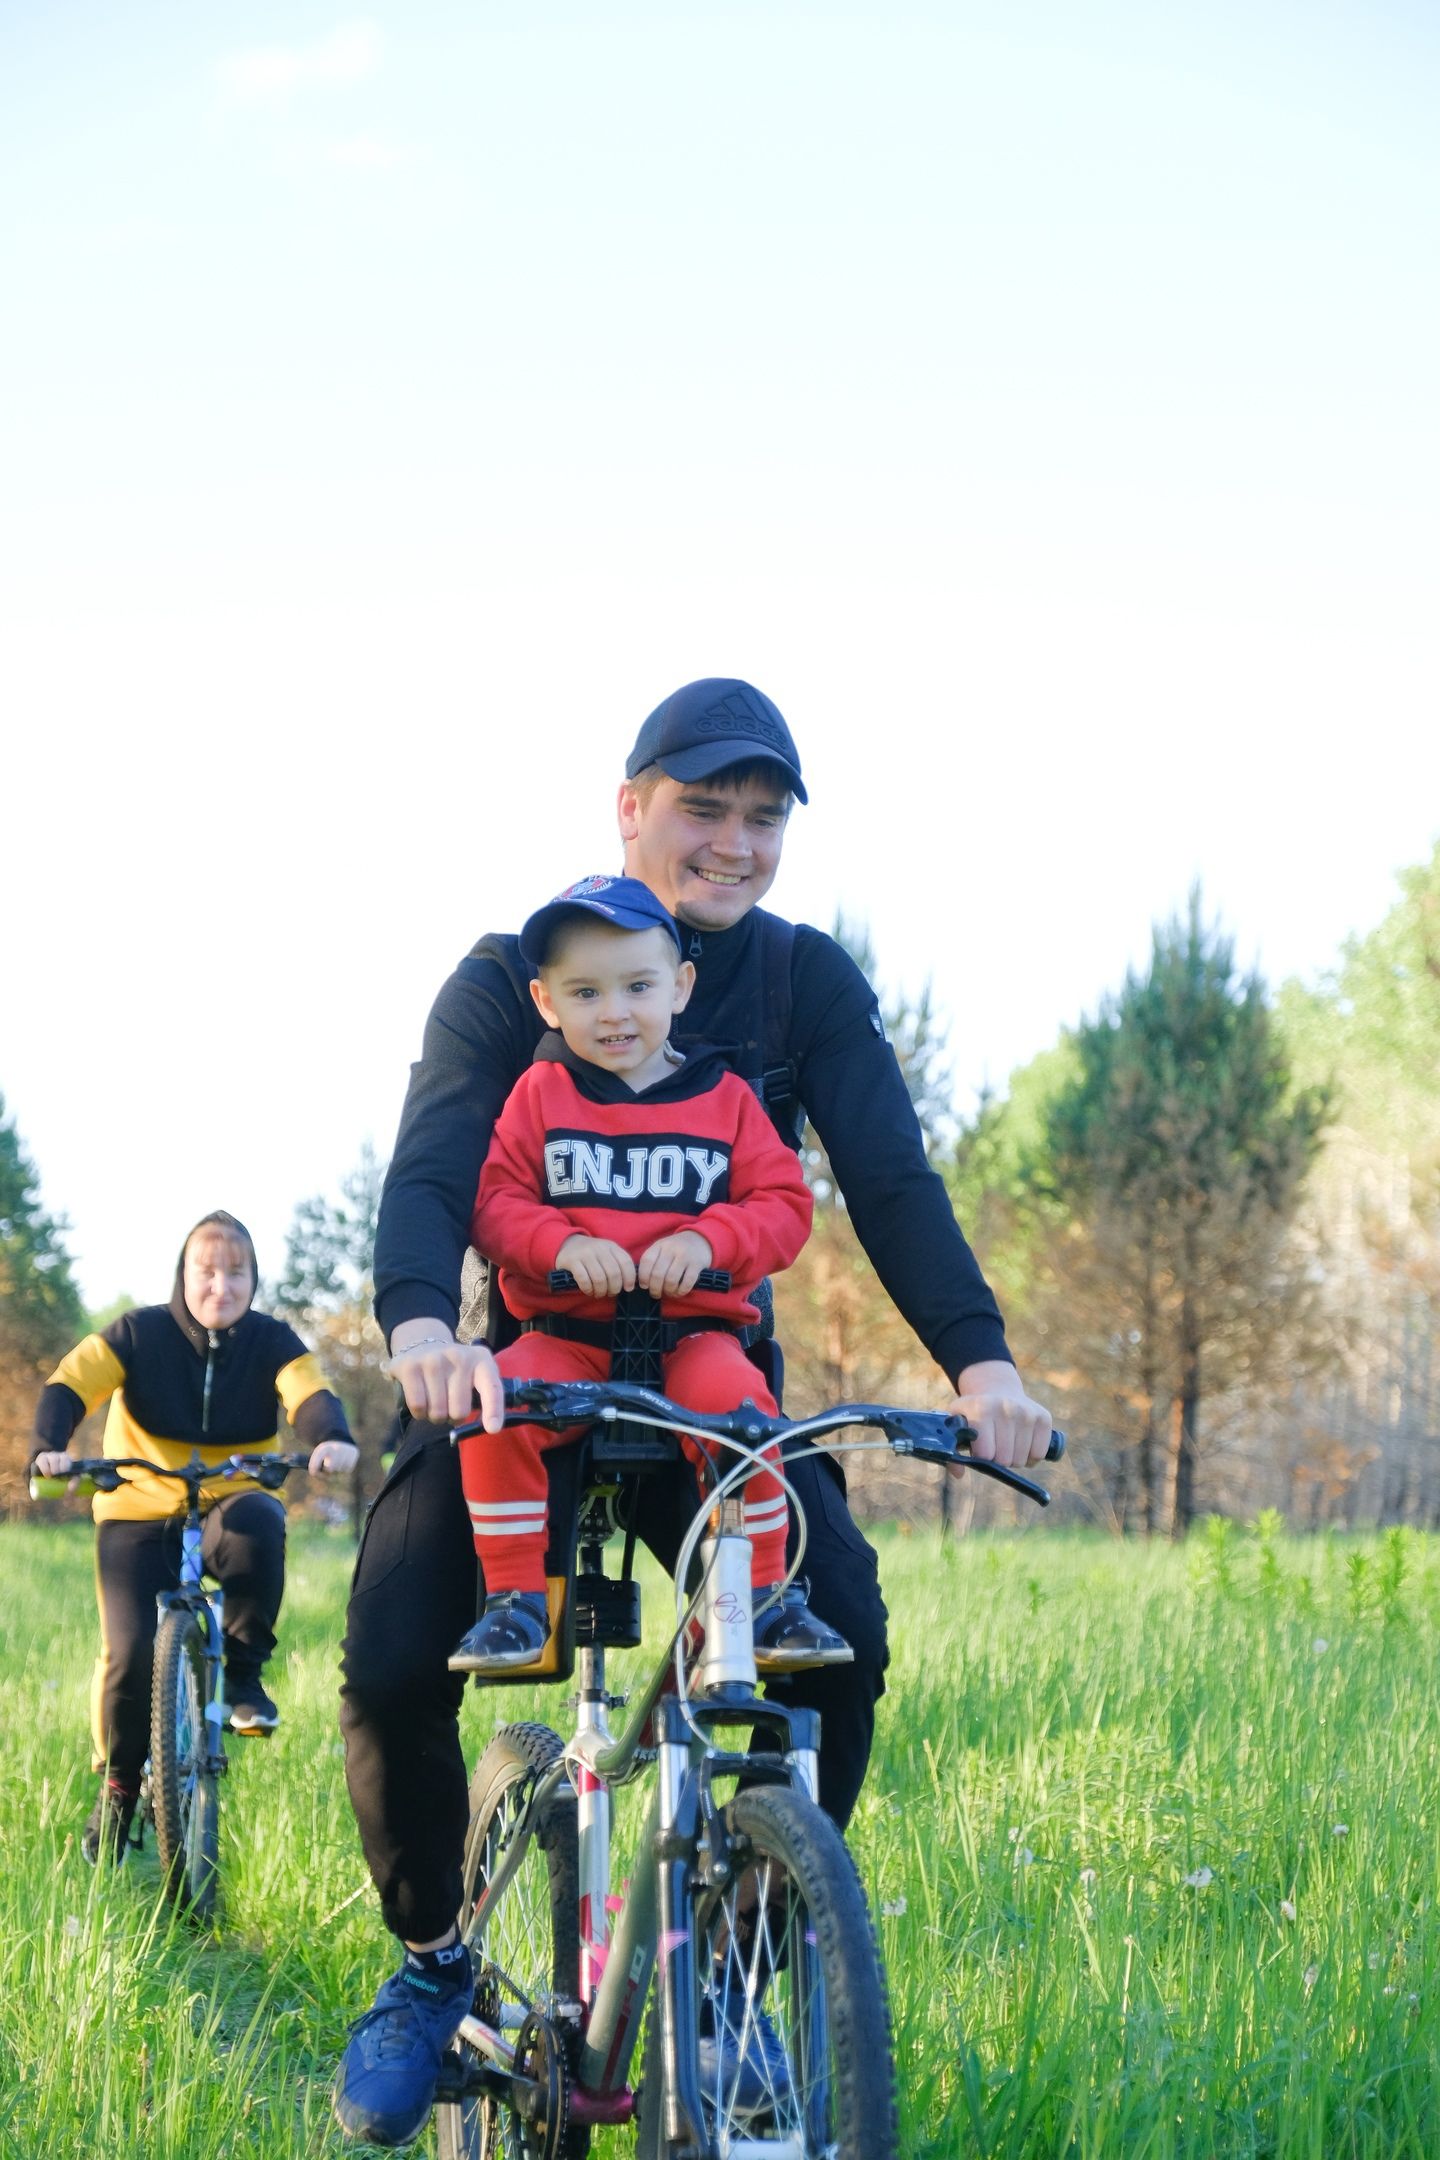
(203, 1372)
(624, 1163)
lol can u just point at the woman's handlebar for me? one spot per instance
(105, 1473)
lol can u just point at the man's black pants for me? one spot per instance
(413, 1596)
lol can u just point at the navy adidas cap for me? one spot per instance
(713, 723)
(623, 902)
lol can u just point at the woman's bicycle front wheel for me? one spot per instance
(791, 2015)
(184, 1789)
(528, 1957)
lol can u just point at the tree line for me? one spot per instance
(1212, 1216)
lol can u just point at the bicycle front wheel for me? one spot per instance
(527, 1958)
(790, 2011)
(184, 1790)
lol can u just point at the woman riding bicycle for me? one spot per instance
(203, 1372)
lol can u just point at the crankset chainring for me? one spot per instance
(540, 2060)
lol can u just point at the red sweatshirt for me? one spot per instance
(575, 1149)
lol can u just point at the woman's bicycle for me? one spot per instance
(769, 2031)
(180, 1790)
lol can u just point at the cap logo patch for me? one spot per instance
(735, 715)
(584, 886)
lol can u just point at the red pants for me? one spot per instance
(504, 1475)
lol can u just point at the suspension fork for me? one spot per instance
(675, 1849)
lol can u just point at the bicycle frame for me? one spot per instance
(677, 1731)
(616, 1968)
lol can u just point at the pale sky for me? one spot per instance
(1037, 401)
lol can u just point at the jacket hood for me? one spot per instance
(229, 1226)
(700, 1068)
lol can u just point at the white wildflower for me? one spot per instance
(1201, 1879)
(1340, 1829)
(1312, 1974)
(894, 1908)
(1319, 1646)
(1023, 1856)
(1287, 1908)
(1088, 1878)
(72, 1924)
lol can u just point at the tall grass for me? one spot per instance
(1154, 1836)
(1151, 1837)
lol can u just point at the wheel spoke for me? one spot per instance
(786, 1964)
(183, 1792)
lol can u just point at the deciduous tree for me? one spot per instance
(326, 1290)
(41, 1312)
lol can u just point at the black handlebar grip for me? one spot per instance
(1057, 1446)
(710, 1278)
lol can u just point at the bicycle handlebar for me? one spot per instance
(101, 1473)
(935, 1436)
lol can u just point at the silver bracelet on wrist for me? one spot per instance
(446, 1342)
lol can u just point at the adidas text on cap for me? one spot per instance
(710, 724)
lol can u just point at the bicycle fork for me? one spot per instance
(210, 1612)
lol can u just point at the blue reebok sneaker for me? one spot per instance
(744, 2069)
(385, 2087)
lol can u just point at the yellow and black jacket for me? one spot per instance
(174, 1386)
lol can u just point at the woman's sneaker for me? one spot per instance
(106, 1835)
(512, 1631)
(791, 1638)
(386, 2083)
(252, 1713)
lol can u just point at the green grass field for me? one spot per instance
(1154, 1838)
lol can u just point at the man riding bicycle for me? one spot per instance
(703, 808)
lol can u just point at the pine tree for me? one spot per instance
(1178, 1151)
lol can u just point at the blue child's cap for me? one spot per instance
(621, 901)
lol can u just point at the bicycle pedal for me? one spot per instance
(463, 2076)
(771, 1661)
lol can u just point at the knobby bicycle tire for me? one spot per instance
(790, 1935)
(184, 1792)
(529, 1956)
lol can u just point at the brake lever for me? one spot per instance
(1013, 1478)
(943, 1437)
(931, 1436)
